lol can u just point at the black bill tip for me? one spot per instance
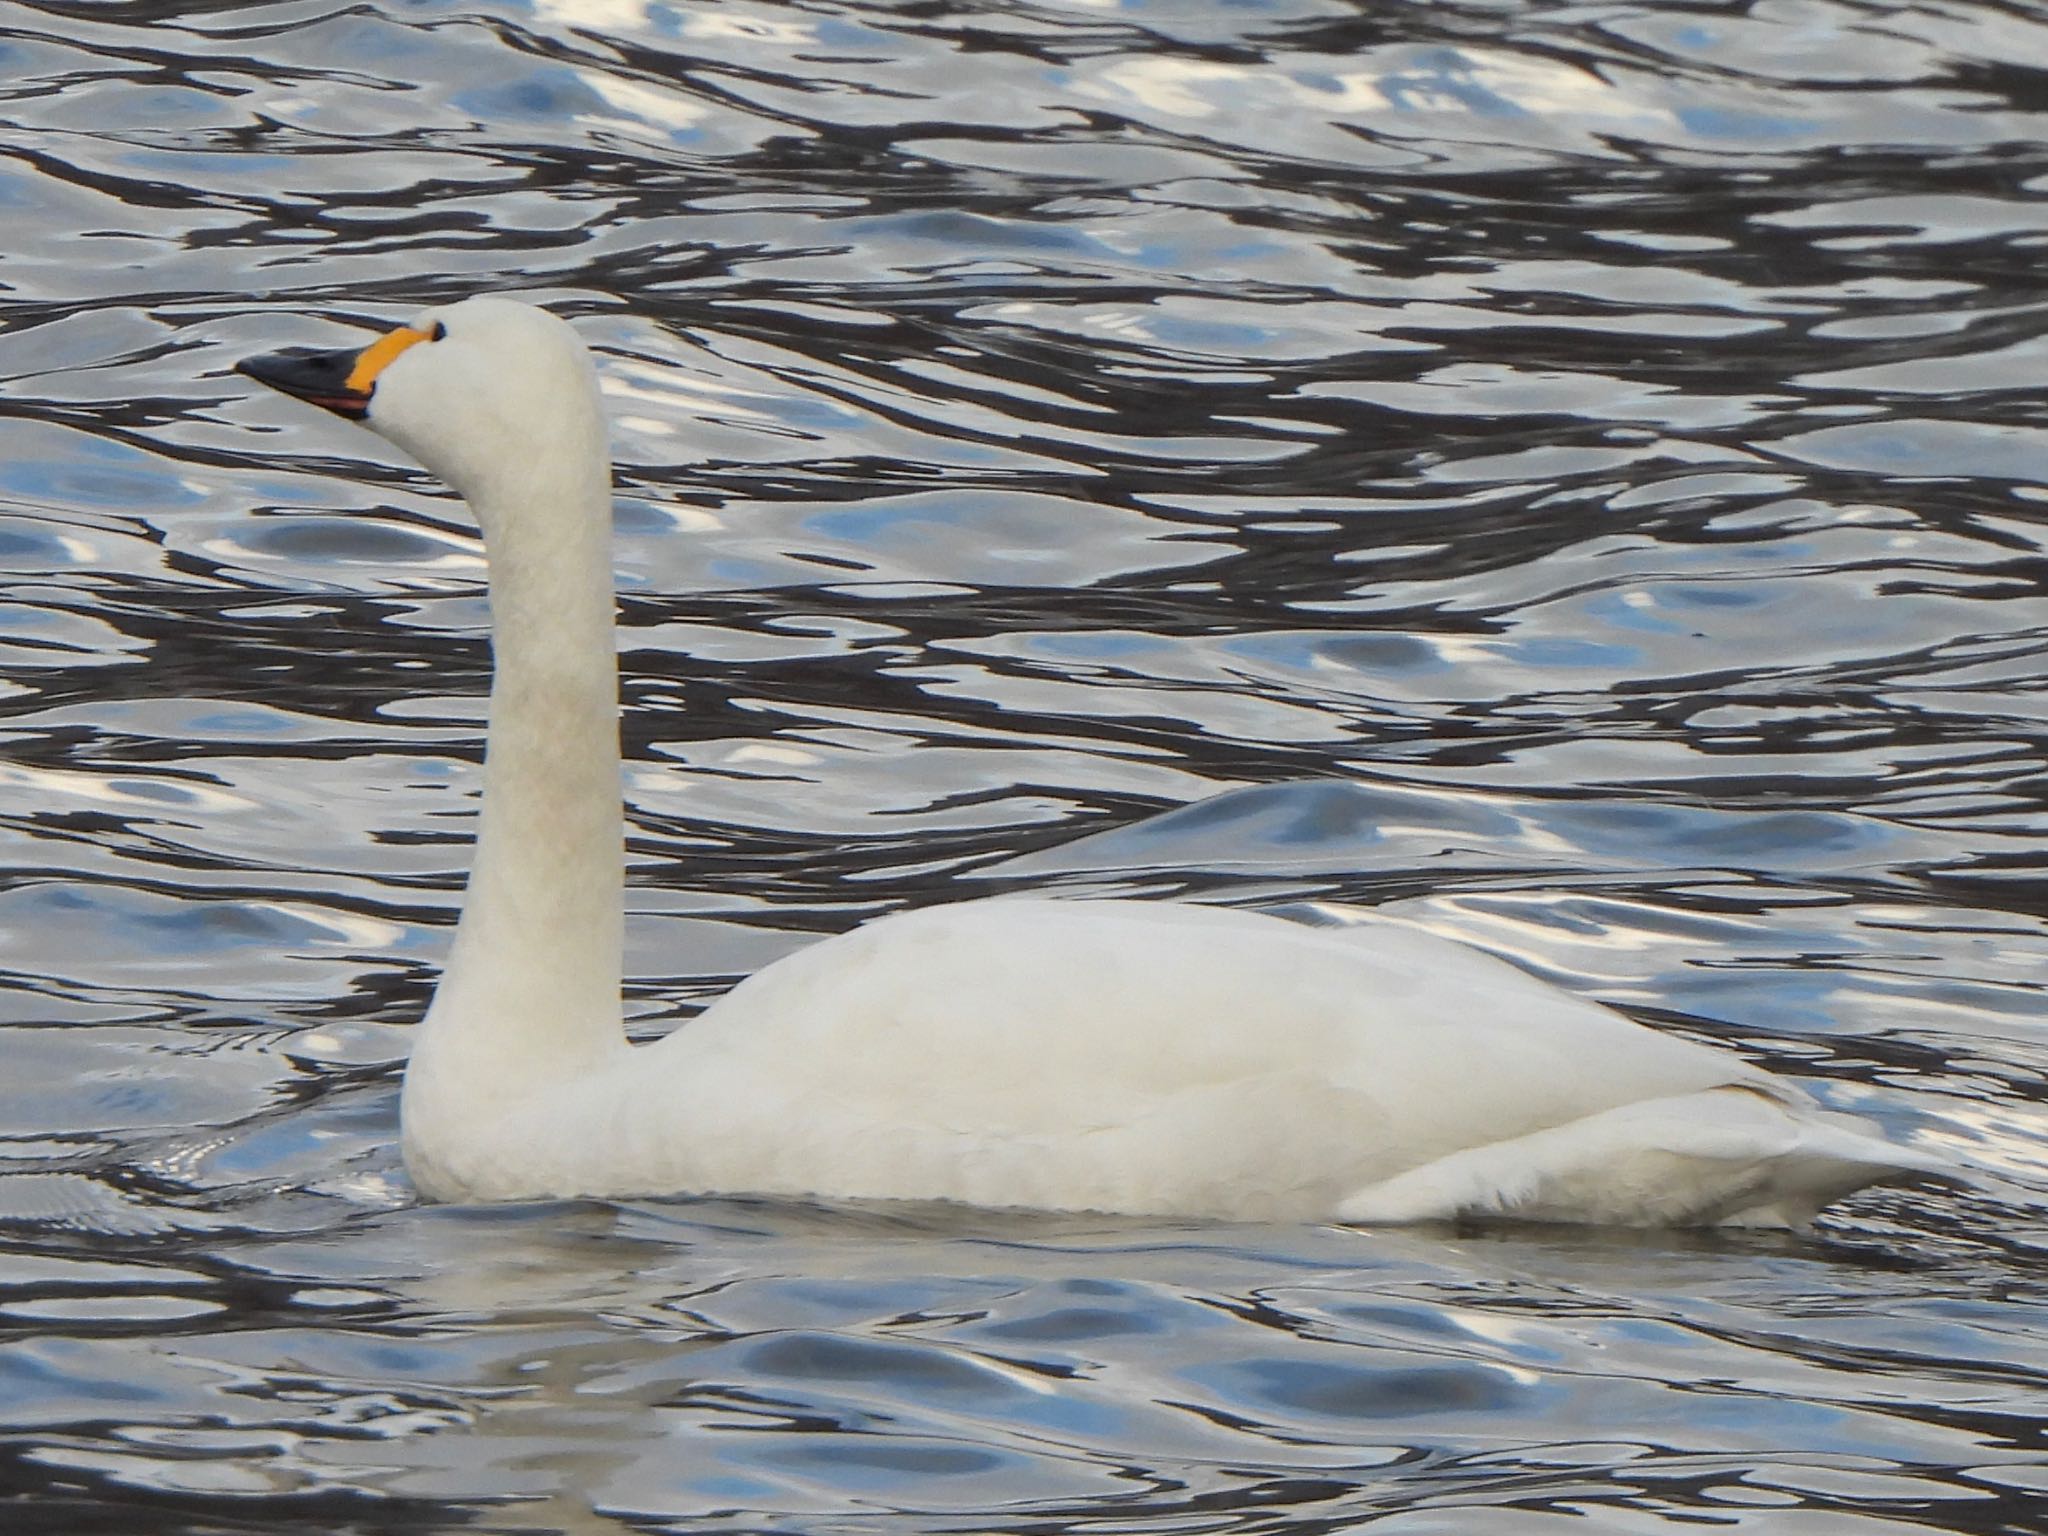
(313, 374)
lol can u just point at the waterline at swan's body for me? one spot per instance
(1145, 1057)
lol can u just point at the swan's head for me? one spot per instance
(481, 392)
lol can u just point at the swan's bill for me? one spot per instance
(340, 380)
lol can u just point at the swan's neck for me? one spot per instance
(531, 991)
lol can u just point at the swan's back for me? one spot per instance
(1072, 1012)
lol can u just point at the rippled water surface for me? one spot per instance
(1572, 475)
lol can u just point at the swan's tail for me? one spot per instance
(1724, 1157)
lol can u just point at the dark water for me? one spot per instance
(1575, 475)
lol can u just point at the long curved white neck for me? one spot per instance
(531, 990)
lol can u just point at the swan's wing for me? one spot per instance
(1115, 1001)
(1163, 1045)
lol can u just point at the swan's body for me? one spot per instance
(1143, 1057)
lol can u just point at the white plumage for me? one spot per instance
(1144, 1057)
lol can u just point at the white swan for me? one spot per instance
(1143, 1057)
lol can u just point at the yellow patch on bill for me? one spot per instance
(377, 356)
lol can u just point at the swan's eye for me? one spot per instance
(440, 330)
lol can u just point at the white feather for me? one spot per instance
(1142, 1057)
